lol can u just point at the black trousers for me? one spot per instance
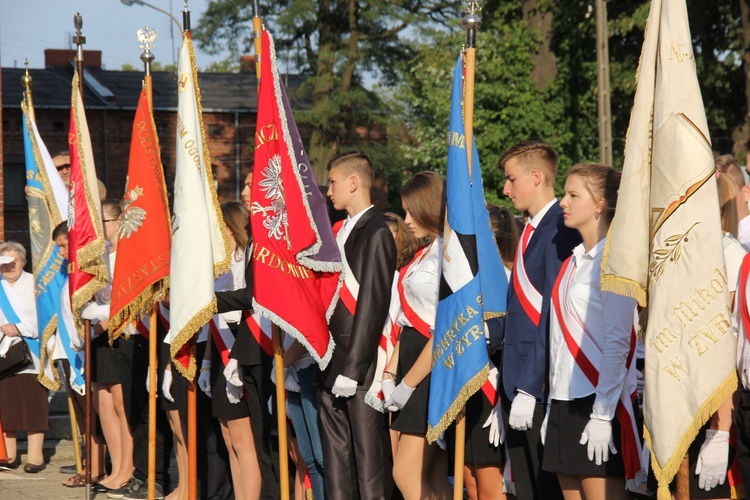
(742, 419)
(525, 449)
(356, 448)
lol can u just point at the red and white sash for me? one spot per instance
(742, 295)
(386, 344)
(412, 311)
(528, 295)
(350, 289)
(588, 355)
(260, 327)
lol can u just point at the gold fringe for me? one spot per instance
(664, 475)
(141, 305)
(626, 287)
(468, 390)
(48, 331)
(186, 334)
(224, 265)
(55, 215)
(80, 298)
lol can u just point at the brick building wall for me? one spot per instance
(230, 148)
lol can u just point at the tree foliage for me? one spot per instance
(536, 73)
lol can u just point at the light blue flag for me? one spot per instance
(50, 270)
(473, 286)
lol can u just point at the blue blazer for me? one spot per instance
(525, 355)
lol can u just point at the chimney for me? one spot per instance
(247, 64)
(56, 58)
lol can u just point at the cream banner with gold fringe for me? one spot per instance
(665, 246)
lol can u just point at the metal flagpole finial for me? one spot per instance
(78, 38)
(471, 22)
(147, 38)
(26, 78)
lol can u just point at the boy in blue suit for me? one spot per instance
(530, 169)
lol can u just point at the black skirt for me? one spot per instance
(23, 403)
(412, 419)
(105, 363)
(479, 451)
(220, 405)
(563, 453)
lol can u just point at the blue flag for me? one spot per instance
(50, 270)
(473, 286)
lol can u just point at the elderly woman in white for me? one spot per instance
(23, 400)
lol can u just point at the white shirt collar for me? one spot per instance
(351, 221)
(580, 250)
(534, 221)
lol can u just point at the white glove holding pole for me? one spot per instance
(204, 379)
(713, 459)
(166, 386)
(598, 436)
(521, 417)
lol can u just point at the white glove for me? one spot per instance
(400, 397)
(291, 380)
(387, 385)
(598, 435)
(204, 379)
(639, 383)
(713, 459)
(234, 393)
(166, 386)
(495, 423)
(95, 312)
(148, 381)
(344, 387)
(543, 429)
(233, 373)
(521, 417)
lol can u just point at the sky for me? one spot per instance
(27, 27)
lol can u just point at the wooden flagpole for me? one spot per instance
(471, 22)
(79, 40)
(278, 347)
(146, 37)
(192, 399)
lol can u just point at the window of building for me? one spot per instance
(15, 181)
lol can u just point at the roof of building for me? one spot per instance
(220, 92)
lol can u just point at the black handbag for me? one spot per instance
(16, 359)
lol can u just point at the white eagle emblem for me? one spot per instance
(276, 220)
(132, 217)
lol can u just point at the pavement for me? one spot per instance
(47, 485)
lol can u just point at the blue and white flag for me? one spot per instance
(473, 286)
(47, 198)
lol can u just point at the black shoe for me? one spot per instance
(121, 492)
(9, 466)
(140, 492)
(33, 469)
(69, 469)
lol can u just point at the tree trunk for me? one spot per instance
(540, 20)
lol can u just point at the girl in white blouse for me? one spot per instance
(419, 469)
(590, 434)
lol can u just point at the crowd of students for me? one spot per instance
(564, 358)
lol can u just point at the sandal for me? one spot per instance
(79, 480)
